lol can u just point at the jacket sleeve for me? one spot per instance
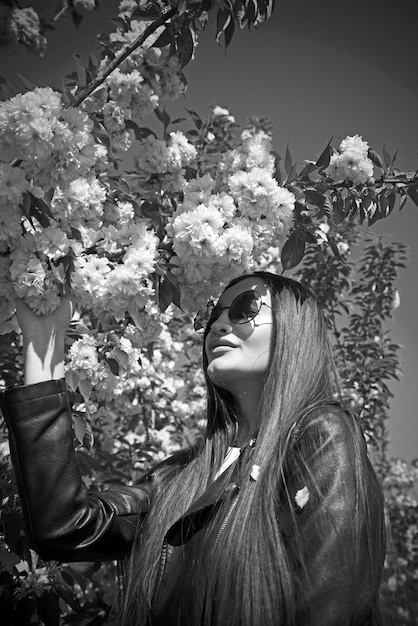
(64, 521)
(338, 509)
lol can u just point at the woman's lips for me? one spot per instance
(221, 348)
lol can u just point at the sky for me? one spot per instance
(317, 70)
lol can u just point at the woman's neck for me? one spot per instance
(247, 405)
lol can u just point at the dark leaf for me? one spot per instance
(49, 610)
(165, 294)
(69, 598)
(375, 158)
(251, 12)
(325, 157)
(229, 32)
(288, 162)
(41, 205)
(308, 169)
(163, 116)
(28, 83)
(402, 203)
(80, 426)
(386, 156)
(175, 288)
(339, 211)
(334, 248)
(293, 251)
(297, 192)
(77, 19)
(140, 131)
(165, 39)
(113, 366)
(8, 560)
(317, 199)
(225, 26)
(197, 120)
(149, 10)
(280, 172)
(67, 577)
(12, 523)
(307, 236)
(292, 174)
(413, 194)
(185, 45)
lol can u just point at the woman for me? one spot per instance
(275, 518)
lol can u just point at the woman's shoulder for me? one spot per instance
(328, 418)
(329, 427)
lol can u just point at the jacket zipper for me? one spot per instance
(225, 522)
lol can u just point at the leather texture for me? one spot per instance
(66, 522)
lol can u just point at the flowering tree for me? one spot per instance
(142, 229)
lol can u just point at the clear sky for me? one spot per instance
(317, 70)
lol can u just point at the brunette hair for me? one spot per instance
(255, 573)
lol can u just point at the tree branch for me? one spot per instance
(163, 19)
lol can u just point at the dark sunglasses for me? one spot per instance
(242, 310)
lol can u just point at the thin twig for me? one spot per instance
(60, 14)
(163, 19)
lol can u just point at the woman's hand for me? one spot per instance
(34, 326)
(44, 340)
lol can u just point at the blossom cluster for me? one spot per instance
(228, 220)
(351, 162)
(129, 389)
(161, 164)
(136, 87)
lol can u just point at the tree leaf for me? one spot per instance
(288, 162)
(386, 157)
(197, 120)
(225, 26)
(297, 192)
(28, 83)
(113, 366)
(163, 116)
(165, 39)
(49, 609)
(339, 211)
(413, 194)
(309, 168)
(318, 199)
(8, 560)
(80, 426)
(72, 378)
(325, 157)
(251, 12)
(140, 131)
(122, 357)
(85, 389)
(293, 251)
(375, 158)
(81, 72)
(185, 45)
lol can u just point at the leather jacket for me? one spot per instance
(67, 523)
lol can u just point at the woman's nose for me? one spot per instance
(222, 324)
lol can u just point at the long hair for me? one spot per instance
(254, 575)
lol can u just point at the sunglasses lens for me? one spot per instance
(245, 307)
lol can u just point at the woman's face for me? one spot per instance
(238, 354)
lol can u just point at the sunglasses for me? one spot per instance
(243, 309)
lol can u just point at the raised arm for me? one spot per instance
(63, 520)
(43, 341)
